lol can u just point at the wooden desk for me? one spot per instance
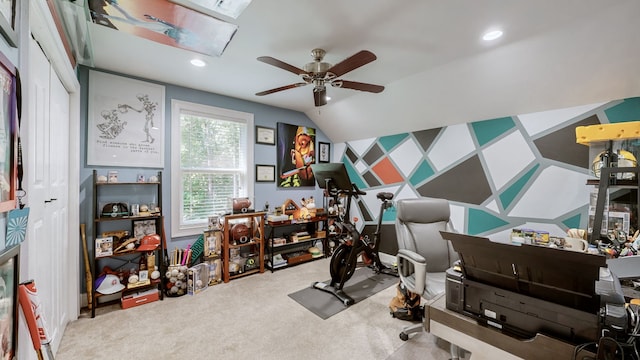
(489, 343)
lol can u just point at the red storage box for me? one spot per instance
(139, 298)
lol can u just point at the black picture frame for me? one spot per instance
(265, 135)
(324, 152)
(265, 173)
(7, 22)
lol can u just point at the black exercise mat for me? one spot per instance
(362, 284)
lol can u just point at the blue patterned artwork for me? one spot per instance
(17, 226)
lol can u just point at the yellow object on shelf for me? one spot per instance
(603, 132)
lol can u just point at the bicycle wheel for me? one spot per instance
(340, 264)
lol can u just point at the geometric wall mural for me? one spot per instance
(498, 174)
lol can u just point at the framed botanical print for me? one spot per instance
(324, 152)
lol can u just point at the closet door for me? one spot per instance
(46, 151)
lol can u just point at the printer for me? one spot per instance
(523, 290)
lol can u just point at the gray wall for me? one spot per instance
(264, 115)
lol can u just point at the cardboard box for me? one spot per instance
(139, 298)
(197, 278)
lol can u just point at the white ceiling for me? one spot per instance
(436, 69)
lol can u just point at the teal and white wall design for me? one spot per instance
(519, 171)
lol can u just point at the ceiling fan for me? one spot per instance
(321, 74)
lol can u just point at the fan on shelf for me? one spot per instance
(321, 74)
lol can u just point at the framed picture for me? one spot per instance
(166, 23)
(126, 122)
(143, 227)
(296, 151)
(232, 9)
(104, 246)
(265, 135)
(265, 173)
(9, 271)
(8, 135)
(7, 21)
(143, 275)
(324, 152)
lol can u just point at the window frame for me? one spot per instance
(178, 229)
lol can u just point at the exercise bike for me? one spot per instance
(344, 260)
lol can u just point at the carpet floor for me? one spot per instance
(248, 317)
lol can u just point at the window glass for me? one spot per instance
(211, 163)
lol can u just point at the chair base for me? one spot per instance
(454, 350)
(412, 329)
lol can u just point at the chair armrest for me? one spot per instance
(412, 269)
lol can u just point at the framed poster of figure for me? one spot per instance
(296, 153)
(8, 135)
(126, 122)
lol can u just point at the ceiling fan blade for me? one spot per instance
(351, 63)
(345, 84)
(282, 65)
(287, 87)
(320, 97)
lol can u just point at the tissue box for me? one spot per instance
(197, 278)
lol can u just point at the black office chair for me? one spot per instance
(423, 256)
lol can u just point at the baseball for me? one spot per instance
(174, 272)
(155, 274)
(174, 289)
(133, 279)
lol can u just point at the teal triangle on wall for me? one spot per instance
(354, 176)
(423, 172)
(389, 142)
(481, 221)
(573, 222)
(627, 110)
(488, 130)
(512, 191)
(389, 214)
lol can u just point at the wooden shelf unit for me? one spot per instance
(253, 249)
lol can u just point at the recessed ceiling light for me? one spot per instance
(492, 35)
(198, 63)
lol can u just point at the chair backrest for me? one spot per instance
(418, 225)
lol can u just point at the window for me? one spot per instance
(211, 162)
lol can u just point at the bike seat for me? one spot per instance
(384, 196)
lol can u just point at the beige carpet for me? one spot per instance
(250, 317)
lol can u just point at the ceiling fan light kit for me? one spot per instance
(320, 74)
